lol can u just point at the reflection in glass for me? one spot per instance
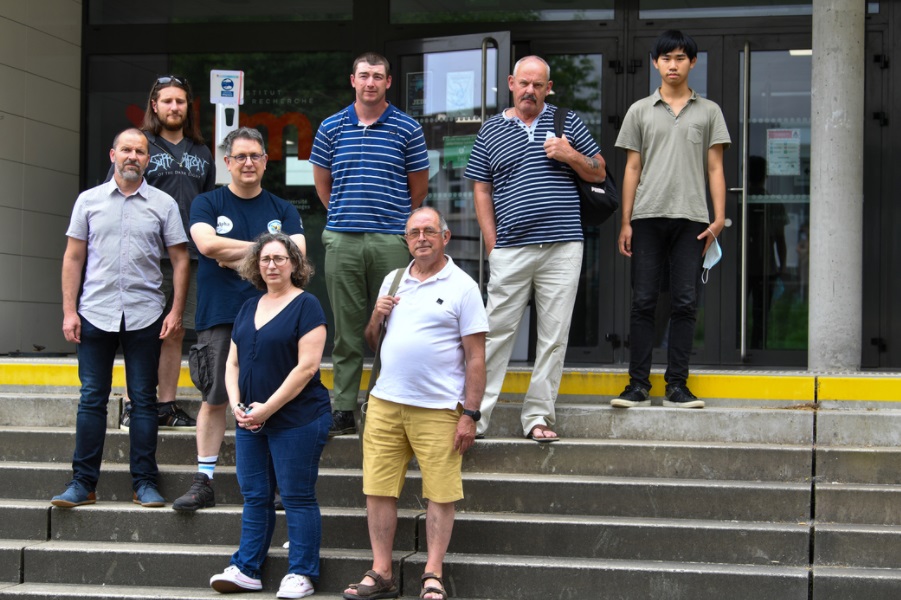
(695, 9)
(443, 91)
(577, 85)
(499, 11)
(778, 199)
(286, 97)
(109, 12)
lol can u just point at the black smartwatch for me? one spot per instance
(475, 415)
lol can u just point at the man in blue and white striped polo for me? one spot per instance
(371, 169)
(527, 206)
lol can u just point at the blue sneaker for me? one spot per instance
(147, 495)
(75, 495)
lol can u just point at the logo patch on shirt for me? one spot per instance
(275, 226)
(224, 225)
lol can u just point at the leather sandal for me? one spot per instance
(432, 589)
(383, 588)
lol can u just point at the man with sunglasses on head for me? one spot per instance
(371, 168)
(224, 224)
(182, 166)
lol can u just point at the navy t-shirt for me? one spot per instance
(222, 292)
(266, 356)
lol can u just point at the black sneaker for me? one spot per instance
(199, 496)
(679, 396)
(633, 395)
(342, 423)
(279, 505)
(125, 417)
(173, 417)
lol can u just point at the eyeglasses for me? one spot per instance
(278, 260)
(171, 79)
(242, 158)
(414, 234)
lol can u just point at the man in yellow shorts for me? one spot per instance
(426, 401)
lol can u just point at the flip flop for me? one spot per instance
(542, 440)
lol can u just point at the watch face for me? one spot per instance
(474, 414)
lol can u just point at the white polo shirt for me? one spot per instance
(423, 362)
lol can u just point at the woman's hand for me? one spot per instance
(252, 418)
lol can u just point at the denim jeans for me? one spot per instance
(288, 458)
(96, 354)
(659, 244)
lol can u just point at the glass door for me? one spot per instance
(765, 308)
(442, 83)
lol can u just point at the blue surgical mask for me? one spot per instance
(713, 256)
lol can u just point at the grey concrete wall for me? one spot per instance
(40, 103)
(836, 185)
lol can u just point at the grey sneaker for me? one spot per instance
(632, 396)
(679, 396)
(125, 417)
(199, 496)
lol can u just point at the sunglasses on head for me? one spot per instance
(165, 79)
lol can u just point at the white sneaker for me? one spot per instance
(295, 586)
(233, 580)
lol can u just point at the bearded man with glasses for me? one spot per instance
(223, 224)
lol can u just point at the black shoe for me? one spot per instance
(679, 396)
(125, 417)
(278, 501)
(342, 423)
(199, 496)
(633, 395)
(174, 418)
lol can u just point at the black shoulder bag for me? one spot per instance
(597, 201)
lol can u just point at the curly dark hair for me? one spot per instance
(250, 267)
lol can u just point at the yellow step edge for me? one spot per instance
(580, 382)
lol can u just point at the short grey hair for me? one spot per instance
(442, 222)
(243, 133)
(532, 57)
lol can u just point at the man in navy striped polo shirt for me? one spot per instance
(527, 206)
(371, 169)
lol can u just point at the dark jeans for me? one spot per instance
(96, 355)
(290, 458)
(658, 245)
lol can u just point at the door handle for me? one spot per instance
(737, 190)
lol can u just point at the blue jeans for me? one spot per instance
(288, 458)
(96, 355)
(664, 244)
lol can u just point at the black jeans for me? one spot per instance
(659, 244)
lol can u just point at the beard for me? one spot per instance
(174, 124)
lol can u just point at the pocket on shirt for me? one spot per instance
(695, 134)
(200, 368)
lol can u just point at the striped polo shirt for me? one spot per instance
(369, 166)
(535, 197)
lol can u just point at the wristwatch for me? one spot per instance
(475, 415)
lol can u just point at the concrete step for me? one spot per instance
(219, 526)
(870, 546)
(172, 565)
(858, 503)
(24, 519)
(835, 583)
(615, 458)
(860, 464)
(503, 577)
(47, 409)
(68, 591)
(486, 492)
(474, 533)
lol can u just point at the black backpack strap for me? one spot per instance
(560, 120)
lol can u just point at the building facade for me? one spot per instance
(75, 73)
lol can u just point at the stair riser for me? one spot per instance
(636, 498)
